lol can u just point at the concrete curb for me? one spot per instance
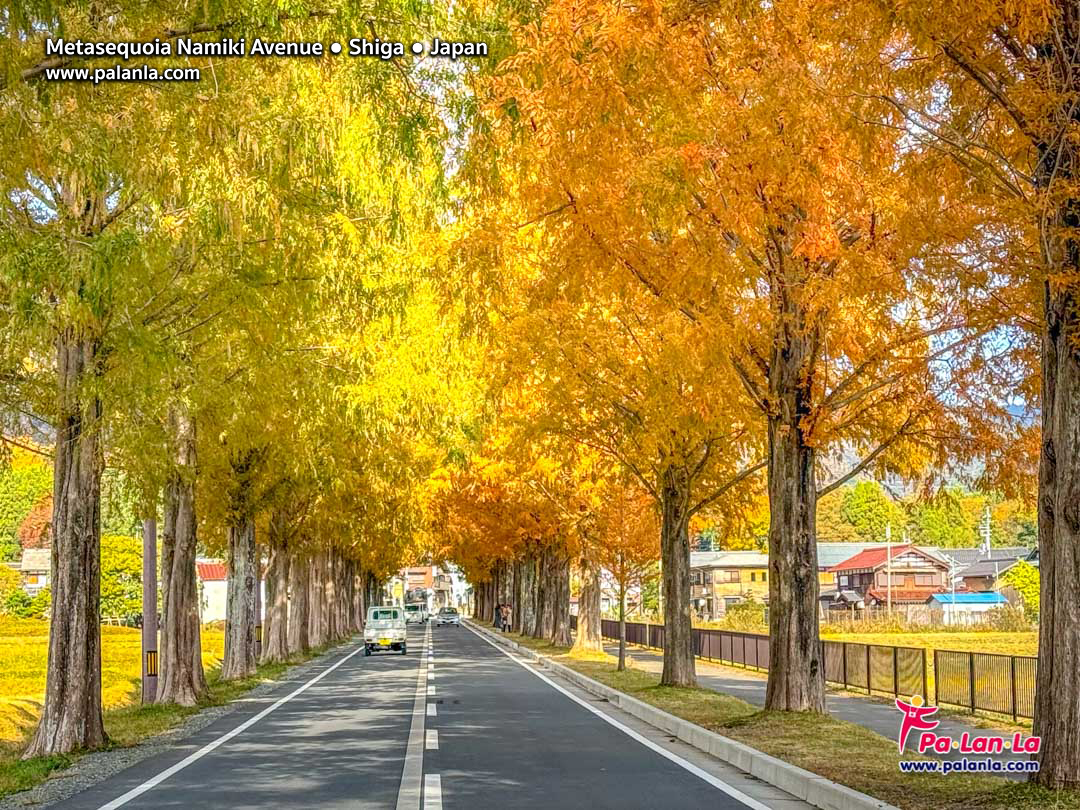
(811, 788)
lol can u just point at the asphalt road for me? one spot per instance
(456, 723)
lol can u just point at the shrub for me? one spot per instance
(1007, 619)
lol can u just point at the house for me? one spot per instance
(34, 569)
(719, 579)
(894, 575)
(982, 574)
(964, 608)
(213, 590)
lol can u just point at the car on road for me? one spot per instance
(416, 613)
(385, 630)
(448, 615)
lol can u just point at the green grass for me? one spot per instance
(23, 652)
(840, 751)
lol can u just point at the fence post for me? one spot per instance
(1012, 683)
(843, 658)
(971, 679)
(869, 679)
(924, 696)
(937, 679)
(895, 673)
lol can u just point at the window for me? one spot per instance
(725, 575)
(926, 579)
(764, 576)
(843, 580)
(753, 576)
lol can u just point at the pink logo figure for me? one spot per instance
(915, 716)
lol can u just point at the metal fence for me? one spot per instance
(899, 671)
(985, 682)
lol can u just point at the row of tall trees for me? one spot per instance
(209, 286)
(762, 249)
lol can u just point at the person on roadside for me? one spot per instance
(506, 614)
(498, 617)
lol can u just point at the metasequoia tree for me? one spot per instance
(995, 92)
(732, 197)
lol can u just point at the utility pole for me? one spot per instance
(149, 612)
(888, 567)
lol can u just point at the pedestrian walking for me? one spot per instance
(507, 613)
(498, 617)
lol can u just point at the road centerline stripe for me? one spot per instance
(412, 770)
(433, 792)
(432, 741)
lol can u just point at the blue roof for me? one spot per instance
(987, 598)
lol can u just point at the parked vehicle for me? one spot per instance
(448, 615)
(385, 630)
(416, 613)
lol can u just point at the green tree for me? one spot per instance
(1024, 577)
(121, 577)
(22, 484)
(868, 510)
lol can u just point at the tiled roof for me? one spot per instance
(870, 558)
(900, 594)
(36, 559)
(214, 571)
(728, 559)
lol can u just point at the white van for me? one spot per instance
(416, 613)
(385, 629)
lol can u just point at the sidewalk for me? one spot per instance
(883, 718)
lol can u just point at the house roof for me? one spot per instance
(989, 568)
(969, 556)
(873, 557)
(728, 559)
(212, 571)
(36, 559)
(987, 598)
(829, 554)
(919, 595)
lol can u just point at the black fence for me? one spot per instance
(985, 682)
(899, 671)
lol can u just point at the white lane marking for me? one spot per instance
(433, 792)
(154, 781)
(412, 771)
(704, 775)
(430, 675)
(431, 689)
(432, 742)
(431, 710)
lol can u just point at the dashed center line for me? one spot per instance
(431, 743)
(432, 791)
(431, 710)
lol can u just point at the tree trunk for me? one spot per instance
(71, 717)
(299, 605)
(276, 625)
(1057, 693)
(796, 666)
(588, 620)
(239, 659)
(675, 556)
(560, 631)
(622, 617)
(545, 622)
(330, 598)
(182, 679)
(317, 604)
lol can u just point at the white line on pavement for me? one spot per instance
(432, 792)
(431, 710)
(154, 781)
(431, 689)
(412, 771)
(704, 775)
(432, 743)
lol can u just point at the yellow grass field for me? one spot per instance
(24, 647)
(987, 642)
